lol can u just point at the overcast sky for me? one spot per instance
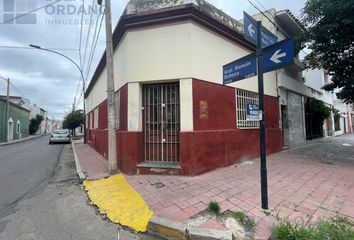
(51, 81)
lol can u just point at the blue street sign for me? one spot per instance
(278, 55)
(240, 69)
(252, 112)
(275, 56)
(250, 32)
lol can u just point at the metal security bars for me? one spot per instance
(244, 97)
(161, 113)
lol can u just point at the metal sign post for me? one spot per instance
(270, 55)
(264, 181)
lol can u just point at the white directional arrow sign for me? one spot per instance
(277, 55)
(251, 30)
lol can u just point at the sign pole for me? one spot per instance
(264, 183)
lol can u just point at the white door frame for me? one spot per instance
(10, 130)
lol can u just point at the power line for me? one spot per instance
(271, 21)
(93, 54)
(22, 15)
(82, 19)
(94, 47)
(21, 47)
(80, 43)
(88, 34)
(261, 4)
(18, 91)
(276, 25)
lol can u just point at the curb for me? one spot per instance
(21, 140)
(79, 172)
(171, 229)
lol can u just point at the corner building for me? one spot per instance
(173, 114)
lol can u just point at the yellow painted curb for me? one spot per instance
(116, 198)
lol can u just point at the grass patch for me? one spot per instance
(243, 219)
(337, 228)
(214, 207)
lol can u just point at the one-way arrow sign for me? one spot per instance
(278, 55)
(275, 56)
(250, 31)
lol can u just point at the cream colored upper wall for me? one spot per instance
(174, 52)
(152, 54)
(98, 93)
(210, 52)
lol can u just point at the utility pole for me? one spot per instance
(7, 109)
(112, 146)
(73, 110)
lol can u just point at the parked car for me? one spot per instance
(60, 136)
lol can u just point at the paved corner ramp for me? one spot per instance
(116, 198)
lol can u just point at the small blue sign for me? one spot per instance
(252, 112)
(250, 32)
(278, 55)
(240, 69)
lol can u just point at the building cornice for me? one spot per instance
(183, 13)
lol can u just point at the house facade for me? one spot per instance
(16, 126)
(173, 115)
(43, 127)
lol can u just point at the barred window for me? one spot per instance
(117, 108)
(243, 98)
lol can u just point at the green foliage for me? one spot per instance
(320, 109)
(338, 228)
(73, 120)
(242, 218)
(336, 114)
(214, 207)
(330, 36)
(35, 123)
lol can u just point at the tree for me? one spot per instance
(319, 109)
(330, 36)
(73, 120)
(35, 123)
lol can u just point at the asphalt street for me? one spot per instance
(333, 150)
(44, 199)
(23, 167)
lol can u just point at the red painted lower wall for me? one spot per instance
(130, 147)
(203, 151)
(215, 142)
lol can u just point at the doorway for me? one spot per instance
(10, 130)
(161, 123)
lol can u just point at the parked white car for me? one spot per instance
(60, 136)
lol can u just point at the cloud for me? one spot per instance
(50, 80)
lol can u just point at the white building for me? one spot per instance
(34, 110)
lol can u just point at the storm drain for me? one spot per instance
(158, 185)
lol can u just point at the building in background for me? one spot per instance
(315, 79)
(20, 101)
(344, 122)
(16, 126)
(34, 110)
(291, 89)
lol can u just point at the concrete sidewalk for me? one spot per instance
(21, 140)
(300, 188)
(89, 162)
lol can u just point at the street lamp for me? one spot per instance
(82, 76)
